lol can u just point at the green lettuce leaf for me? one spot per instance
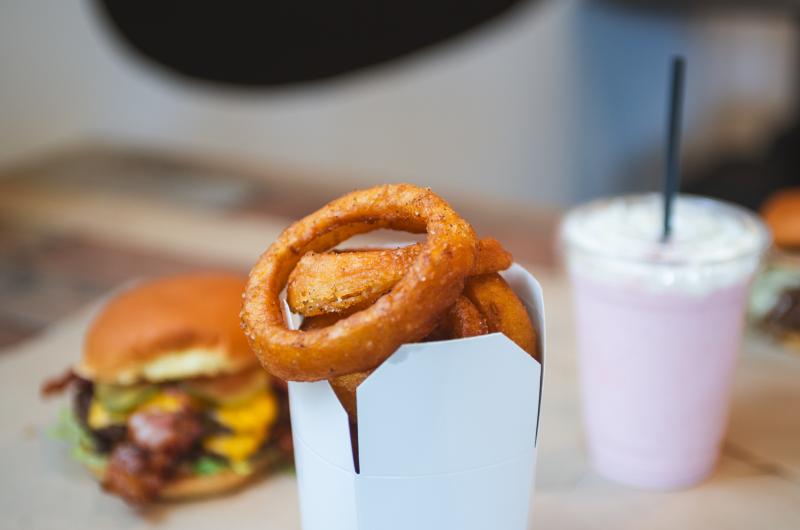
(71, 431)
(207, 465)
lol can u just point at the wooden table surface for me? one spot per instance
(67, 244)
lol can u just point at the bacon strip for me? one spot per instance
(132, 475)
(158, 442)
(56, 385)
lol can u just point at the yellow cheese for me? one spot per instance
(250, 423)
(253, 416)
(100, 417)
(234, 447)
(163, 402)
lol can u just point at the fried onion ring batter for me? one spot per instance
(462, 320)
(503, 310)
(333, 282)
(366, 338)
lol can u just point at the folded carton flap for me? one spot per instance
(318, 418)
(530, 292)
(327, 492)
(320, 422)
(444, 407)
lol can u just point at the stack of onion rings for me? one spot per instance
(361, 305)
(332, 282)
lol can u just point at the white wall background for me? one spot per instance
(557, 102)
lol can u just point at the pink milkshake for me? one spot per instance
(659, 327)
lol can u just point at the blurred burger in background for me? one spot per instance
(168, 400)
(775, 303)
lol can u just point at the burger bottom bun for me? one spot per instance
(198, 487)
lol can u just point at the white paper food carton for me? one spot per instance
(447, 436)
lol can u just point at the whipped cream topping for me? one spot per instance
(713, 244)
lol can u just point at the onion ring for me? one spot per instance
(461, 321)
(332, 282)
(366, 338)
(503, 310)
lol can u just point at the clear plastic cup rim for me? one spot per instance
(749, 221)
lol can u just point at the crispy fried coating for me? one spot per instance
(503, 310)
(366, 338)
(462, 320)
(333, 282)
(345, 387)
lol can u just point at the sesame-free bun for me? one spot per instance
(782, 213)
(173, 328)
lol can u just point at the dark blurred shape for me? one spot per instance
(289, 41)
(751, 181)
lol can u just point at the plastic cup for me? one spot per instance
(659, 326)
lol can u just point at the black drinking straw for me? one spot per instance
(672, 166)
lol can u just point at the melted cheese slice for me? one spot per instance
(234, 447)
(250, 416)
(163, 402)
(250, 423)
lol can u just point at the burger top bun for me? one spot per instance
(782, 214)
(172, 328)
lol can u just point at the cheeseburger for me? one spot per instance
(168, 400)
